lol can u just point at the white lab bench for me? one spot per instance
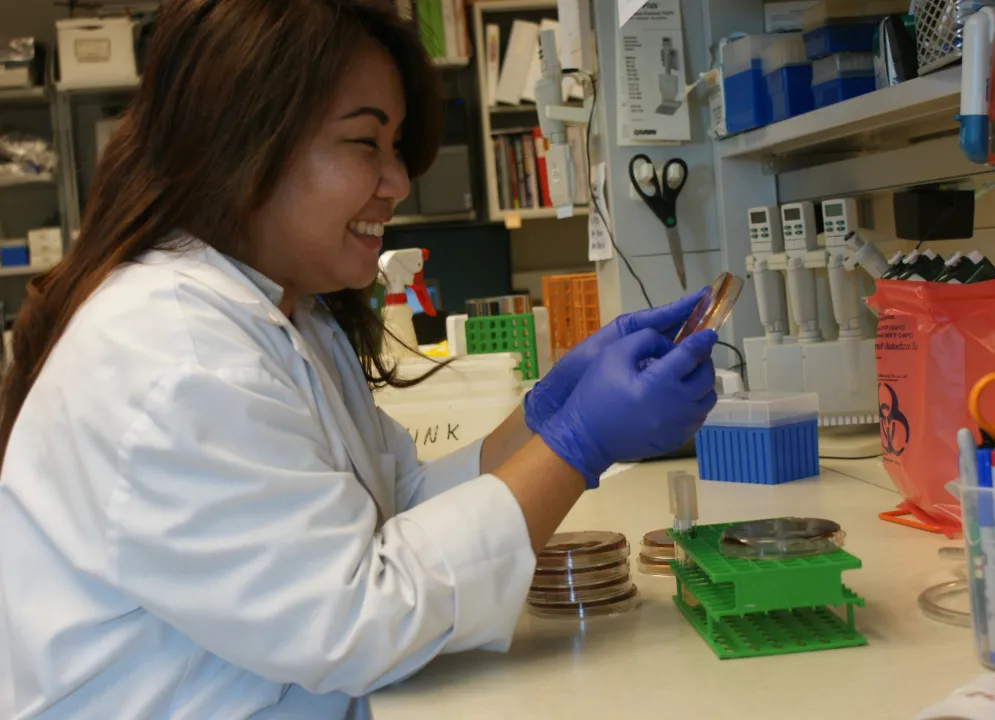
(651, 663)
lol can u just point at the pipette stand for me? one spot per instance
(842, 371)
(752, 608)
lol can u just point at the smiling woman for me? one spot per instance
(264, 129)
(203, 513)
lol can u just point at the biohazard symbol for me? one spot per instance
(894, 425)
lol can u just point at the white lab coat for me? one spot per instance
(203, 515)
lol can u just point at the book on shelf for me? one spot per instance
(520, 167)
(442, 26)
(493, 49)
(522, 44)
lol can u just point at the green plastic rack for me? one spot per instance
(751, 608)
(505, 333)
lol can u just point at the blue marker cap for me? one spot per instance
(986, 508)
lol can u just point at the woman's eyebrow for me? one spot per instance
(368, 110)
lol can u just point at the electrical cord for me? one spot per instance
(741, 365)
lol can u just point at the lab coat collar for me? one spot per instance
(206, 265)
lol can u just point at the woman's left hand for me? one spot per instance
(549, 394)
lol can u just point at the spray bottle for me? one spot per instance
(402, 269)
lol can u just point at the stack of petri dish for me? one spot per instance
(583, 574)
(657, 552)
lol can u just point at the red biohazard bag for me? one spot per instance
(934, 341)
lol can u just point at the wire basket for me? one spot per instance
(940, 31)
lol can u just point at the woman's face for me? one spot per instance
(322, 229)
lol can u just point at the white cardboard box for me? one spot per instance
(96, 52)
(785, 16)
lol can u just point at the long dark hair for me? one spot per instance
(230, 88)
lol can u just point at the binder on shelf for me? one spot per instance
(431, 27)
(522, 46)
(493, 42)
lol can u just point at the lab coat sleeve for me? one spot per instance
(231, 523)
(420, 481)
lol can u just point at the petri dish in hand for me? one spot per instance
(715, 306)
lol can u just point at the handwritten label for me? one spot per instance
(430, 435)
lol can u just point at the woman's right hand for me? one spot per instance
(643, 397)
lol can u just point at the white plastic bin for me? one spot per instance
(96, 52)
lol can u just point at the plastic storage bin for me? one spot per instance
(788, 75)
(841, 77)
(747, 105)
(831, 39)
(96, 52)
(761, 438)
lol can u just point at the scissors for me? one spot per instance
(663, 202)
(974, 408)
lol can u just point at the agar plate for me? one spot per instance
(654, 566)
(948, 602)
(715, 306)
(581, 610)
(554, 578)
(573, 595)
(588, 549)
(781, 538)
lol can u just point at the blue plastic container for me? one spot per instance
(760, 438)
(842, 76)
(14, 254)
(831, 39)
(834, 91)
(746, 102)
(790, 92)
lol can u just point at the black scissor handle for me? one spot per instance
(657, 191)
(675, 191)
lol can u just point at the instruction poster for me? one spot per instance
(652, 76)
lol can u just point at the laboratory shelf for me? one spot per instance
(24, 270)
(513, 218)
(887, 117)
(22, 95)
(430, 219)
(443, 63)
(21, 181)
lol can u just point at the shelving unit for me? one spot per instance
(24, 271)
(890, 117)
(21, 181)
(512, 218)
(894, 137)
(429, 219)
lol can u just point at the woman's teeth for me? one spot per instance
(362, 227)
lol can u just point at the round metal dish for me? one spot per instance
(574, 595)
(613, 606)
(715, 306)
(781, 538)
(588, 549)
(552, 579)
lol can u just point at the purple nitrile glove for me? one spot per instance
(549, 395)
(642, 397)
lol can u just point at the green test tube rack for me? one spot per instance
(752, 608)
(505, 334)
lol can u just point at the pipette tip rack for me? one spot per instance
(752, 608)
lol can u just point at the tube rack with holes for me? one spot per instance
(751, 608)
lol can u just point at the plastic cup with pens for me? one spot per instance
(977, 501)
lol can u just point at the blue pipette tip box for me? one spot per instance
(760, 438)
